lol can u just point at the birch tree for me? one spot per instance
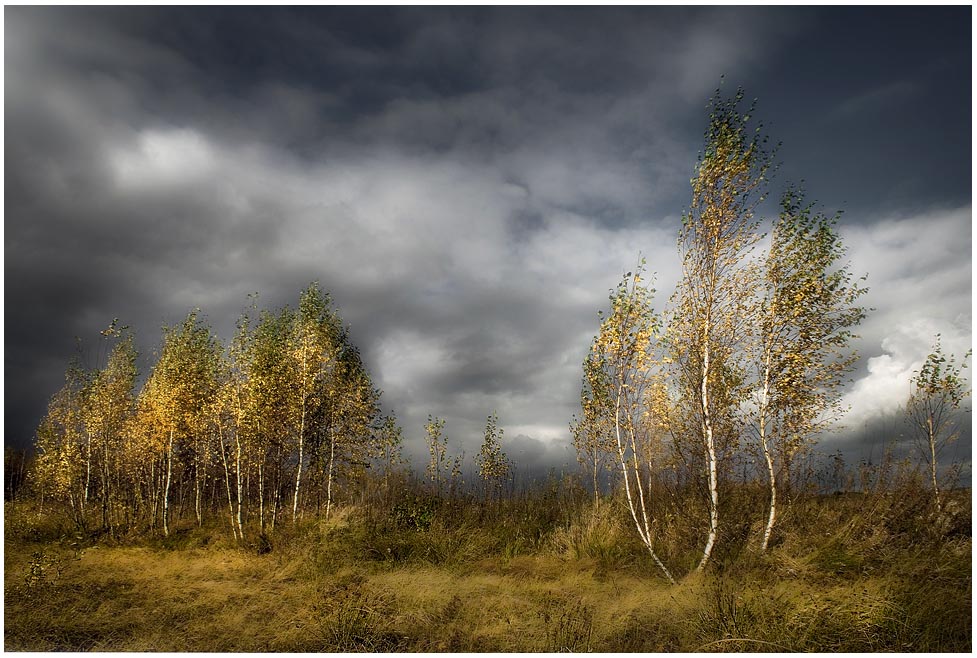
(146, 449)
(622, 360)
(227, 427)
(494, 467)
(312, 344)
(593, 432)
(108, 403)
(238, 403)
(710, 317)
(271, 398)
(388, 447)
(348, 411)
(180, 385)
(60, 442)
(806, 313)
(437, 445)
(938, 391)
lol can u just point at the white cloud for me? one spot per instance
(163, 158)
(886, 385)
(920, 278)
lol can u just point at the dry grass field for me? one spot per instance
(843, 576)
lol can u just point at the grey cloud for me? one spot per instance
(535, 459)
(873, 99)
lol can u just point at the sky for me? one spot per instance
(468, 184)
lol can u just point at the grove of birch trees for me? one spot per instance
(747, 359)
(266, 429)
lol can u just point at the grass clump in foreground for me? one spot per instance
(852, 572)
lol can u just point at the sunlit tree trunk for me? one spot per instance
(261, 494)
(767, 456)
(298, 470)
(329, 474)
(596, 483)
(106, 487)
(643, 525)
(166, 490)
(227, 480)
(197, 486)
(153, 494)
(276, 499)
(931, 436)
(240, 491)
(88, 473)
(710, 452)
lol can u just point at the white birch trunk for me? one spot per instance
(332, 459)
(240, 497)
(932, 439)
(227, 480)
(710, 454)
(261, 494)
(88, 473)
(276, 500)
(764, 406)
(298, 471)
(153, 494)
(643, 531)
(596, 484)
(197, 488)
(166, 489)
(106, 484)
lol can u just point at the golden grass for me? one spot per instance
(329, 587)
(141, 599)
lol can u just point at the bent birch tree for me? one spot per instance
(620, 365)
(806, 313)
(710, 318)
(938, 390)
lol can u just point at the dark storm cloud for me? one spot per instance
(873, 105)
(536, 460)
(887, 440)
(467, 183)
